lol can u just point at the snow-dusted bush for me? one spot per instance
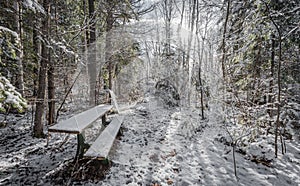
(167, 92)
(10, 99)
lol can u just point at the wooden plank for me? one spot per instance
(81, 121)
(101, 147)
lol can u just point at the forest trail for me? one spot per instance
(173, 146)
(167, 146)
(154, 144)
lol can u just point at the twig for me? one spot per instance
(65, 140)
(64, 100)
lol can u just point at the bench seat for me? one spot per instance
(78, 123)
(101, 147)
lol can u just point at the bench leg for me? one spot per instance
(81, 146)
(104, 120)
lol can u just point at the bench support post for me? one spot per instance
(81, 146)
(104, 119)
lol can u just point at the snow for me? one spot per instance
(15, 34)
(34, 6)
(63, 47)
(159, 145)
(114, 100)
(9, 97)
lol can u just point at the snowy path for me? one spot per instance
(160, 146)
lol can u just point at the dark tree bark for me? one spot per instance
(20, 51)
(51, 81)
(38, 122)
(270, 97)
(51, 93)
(37, 52)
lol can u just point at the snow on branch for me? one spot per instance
(34, 6)
(15, 34)
(290, 32)
(60, 45)
(10, 98)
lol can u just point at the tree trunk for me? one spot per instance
(20, 52)
(201, 92)
(38, 125)
(277, 123)
(108, 44)
(270, 97)
(200, 57)
(86, 36)
(37, 52)
(279, 93)
(38, 122)
(51, 93)
(272, 69)
(190, 39)
(167, 8)
(92, 68)
(51, 81)
(224, 39)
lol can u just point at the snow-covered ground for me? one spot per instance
(158, 146)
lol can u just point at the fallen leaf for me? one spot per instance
(169, 182)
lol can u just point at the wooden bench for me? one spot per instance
(101, 147)
(78, 123)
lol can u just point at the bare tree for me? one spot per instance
(200, 51)
(118, 13)
(167, 9)
(277, 123)
(223, 60)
